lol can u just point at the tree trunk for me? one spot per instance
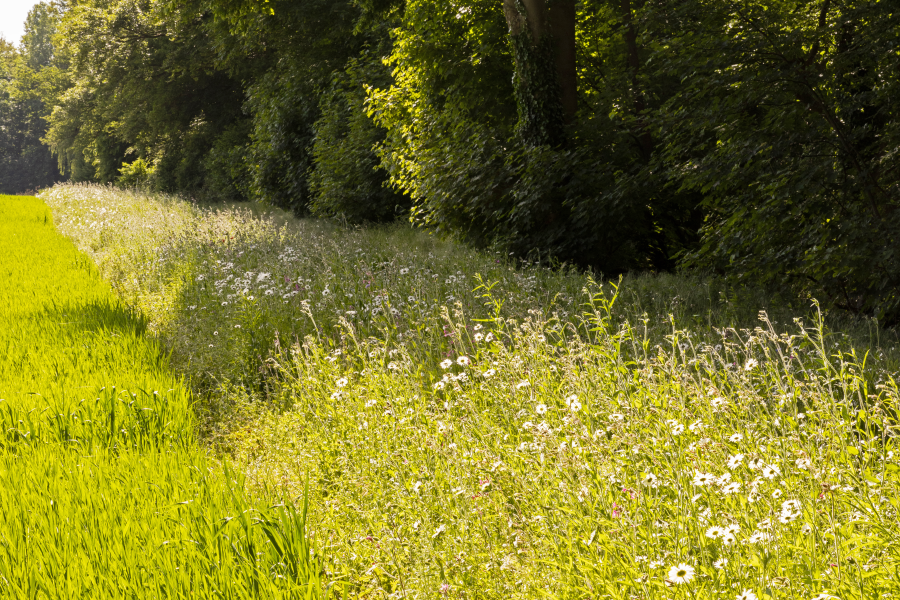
(543, 40)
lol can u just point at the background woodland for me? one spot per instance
(756, 140)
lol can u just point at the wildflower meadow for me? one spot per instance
(464, 425)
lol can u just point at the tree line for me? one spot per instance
(755, 139)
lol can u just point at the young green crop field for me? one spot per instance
(104, 492)
(470, 427)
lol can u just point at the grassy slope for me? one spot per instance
(102, 492)
(479, 430)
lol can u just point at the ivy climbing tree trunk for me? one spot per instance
(542, 33)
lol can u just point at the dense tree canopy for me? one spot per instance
(758, 139)
(31, 78)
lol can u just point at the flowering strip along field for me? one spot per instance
(526, 433)
(103, 491)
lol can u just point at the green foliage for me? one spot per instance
(135, 174)
(788, 126)
(40, 26)
(141, 85)
(30, 80)
(314, 39)
(346, 181)
(227, 174)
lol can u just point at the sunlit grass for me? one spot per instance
(472, 428)
(103, 490)
(130, 525)
(76, 364)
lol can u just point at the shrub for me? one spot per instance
(135, 174)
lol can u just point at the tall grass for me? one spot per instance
(159, 525)
(104, 382)
(473, 428)
(103, 490)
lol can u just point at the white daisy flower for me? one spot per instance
(682, 573)
(771, 472)
(786, 518)
(732, 488)
(701, 479)
(735, 461)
